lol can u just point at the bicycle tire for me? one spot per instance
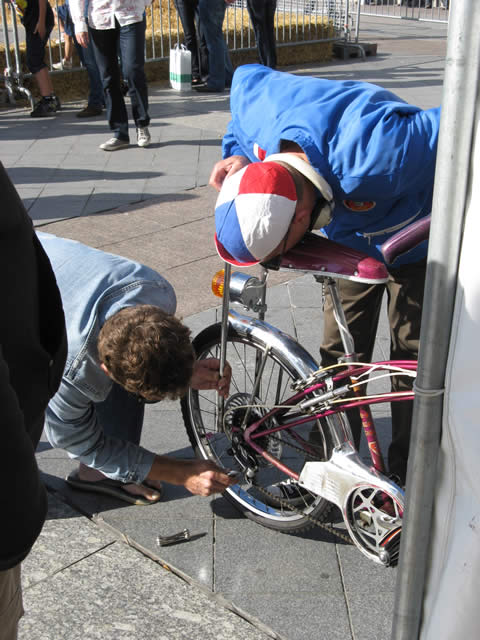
(208, 443)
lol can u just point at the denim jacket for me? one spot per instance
(94, 285)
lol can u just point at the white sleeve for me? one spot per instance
(78, 11)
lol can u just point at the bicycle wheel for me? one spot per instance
(270, 496)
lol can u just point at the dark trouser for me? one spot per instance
(262, 15)
(11, 605)
(34, 44)
(361, 304)
(130, 40)
(188, 12)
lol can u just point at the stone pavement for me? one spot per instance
(96, 571)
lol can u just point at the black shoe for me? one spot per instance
(89, 112)
(204, 88)
(45, 107)
(400, 482)
(196, 82)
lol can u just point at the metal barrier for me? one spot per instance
(297, 22)
(422, 10)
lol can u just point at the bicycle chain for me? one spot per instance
(286, 504)
(317, 522)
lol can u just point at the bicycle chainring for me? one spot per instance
(374, 521)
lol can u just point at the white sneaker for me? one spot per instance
(143, 136)
(63, 64)
(114, 144)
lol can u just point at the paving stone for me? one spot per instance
(118, 594)
(57, 549)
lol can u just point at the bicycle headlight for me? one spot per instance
(244, 289)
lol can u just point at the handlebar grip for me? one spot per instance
(405, 239)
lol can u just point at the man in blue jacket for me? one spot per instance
(362, 158)
(125, 348)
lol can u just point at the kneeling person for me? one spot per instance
(125, 349)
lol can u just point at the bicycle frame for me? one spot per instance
(252, 433)
(326, 260)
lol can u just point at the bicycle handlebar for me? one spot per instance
(405, 239)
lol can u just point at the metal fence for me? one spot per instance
(297, 22)
(423, 10)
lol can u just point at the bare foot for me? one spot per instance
(93, 475)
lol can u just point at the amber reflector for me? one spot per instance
(217, 283)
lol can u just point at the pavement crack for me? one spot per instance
(71, 564)
(347, 606)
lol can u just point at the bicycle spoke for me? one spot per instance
(260, 382)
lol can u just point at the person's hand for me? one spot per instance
(225, 168)
(203, 478)
(82, 38)
(206, 375)
(40, 29)
(200, 477)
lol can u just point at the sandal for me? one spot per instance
(109, 487)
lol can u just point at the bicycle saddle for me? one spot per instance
(316, 254)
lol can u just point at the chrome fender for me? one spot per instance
(286, 348)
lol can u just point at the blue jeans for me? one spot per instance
(121, 415)
(87, 58)
(220, 70)
(130, 40)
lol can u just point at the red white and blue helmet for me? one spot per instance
(256, 205)
(246, 230)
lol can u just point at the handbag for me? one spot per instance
(180, 68)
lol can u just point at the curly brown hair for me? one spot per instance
(148, 352)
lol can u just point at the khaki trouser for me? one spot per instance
(11, 605)
(361, 304)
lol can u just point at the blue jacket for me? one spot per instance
(94, 285)
(376, 151)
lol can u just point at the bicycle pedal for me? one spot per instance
(391, 547)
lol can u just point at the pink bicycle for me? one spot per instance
(283, 429)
